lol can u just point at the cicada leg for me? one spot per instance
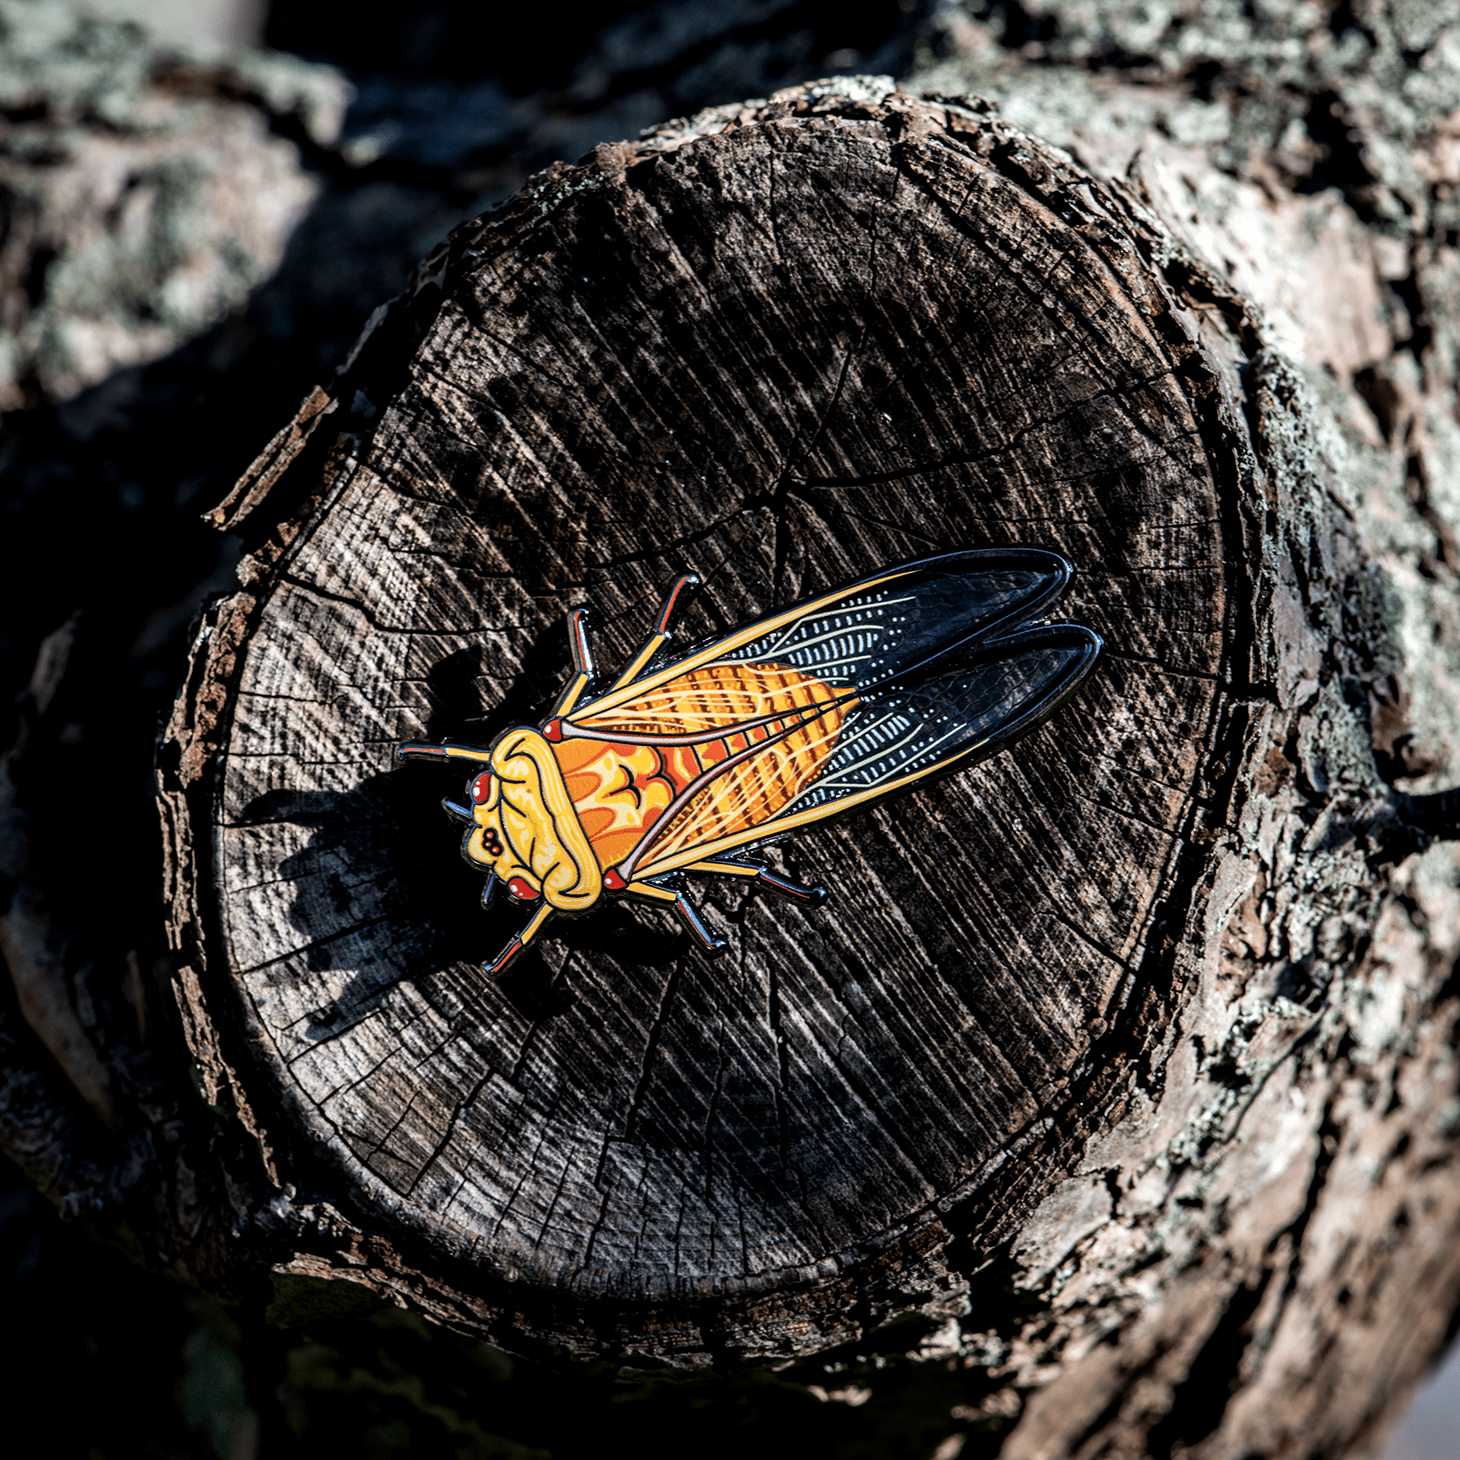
(519, 942)
(650, 892)
(763, 877)
(582, 663)
(457, 812)
(796, 891)
(684, 585)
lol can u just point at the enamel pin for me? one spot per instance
(690, 758)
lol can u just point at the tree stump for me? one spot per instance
(1074, 1016)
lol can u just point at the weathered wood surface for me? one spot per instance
(1137, 1033)
(1254, 1254)
(1250, 1246)
(783, 354)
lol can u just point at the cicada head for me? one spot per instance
(526, 830)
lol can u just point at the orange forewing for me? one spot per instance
(620, 790)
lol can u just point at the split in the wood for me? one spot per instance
(688, 761)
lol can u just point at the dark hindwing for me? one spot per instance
(897, 626)
(969, 706)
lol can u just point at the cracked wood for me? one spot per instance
(783, 355)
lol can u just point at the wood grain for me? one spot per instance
(784, 354)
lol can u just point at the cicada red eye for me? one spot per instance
(522, 891)
(481, 788)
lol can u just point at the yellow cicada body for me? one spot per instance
(690, 759)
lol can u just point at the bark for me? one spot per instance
(1122, 1061)
(1228, 1231)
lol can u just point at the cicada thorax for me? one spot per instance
(708, 755)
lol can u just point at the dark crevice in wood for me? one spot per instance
(1200, 1400)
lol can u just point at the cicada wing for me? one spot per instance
(876, 631)
(969, 707)
(844, 698)
(746, 791)
(713, 701)
(965, 713)
(897, 626)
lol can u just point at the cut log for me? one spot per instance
(785, 347)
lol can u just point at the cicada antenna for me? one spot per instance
(582, 663)
(457, 812)
(674, 600)
(442, 751)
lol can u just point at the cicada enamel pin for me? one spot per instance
(692, 757)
